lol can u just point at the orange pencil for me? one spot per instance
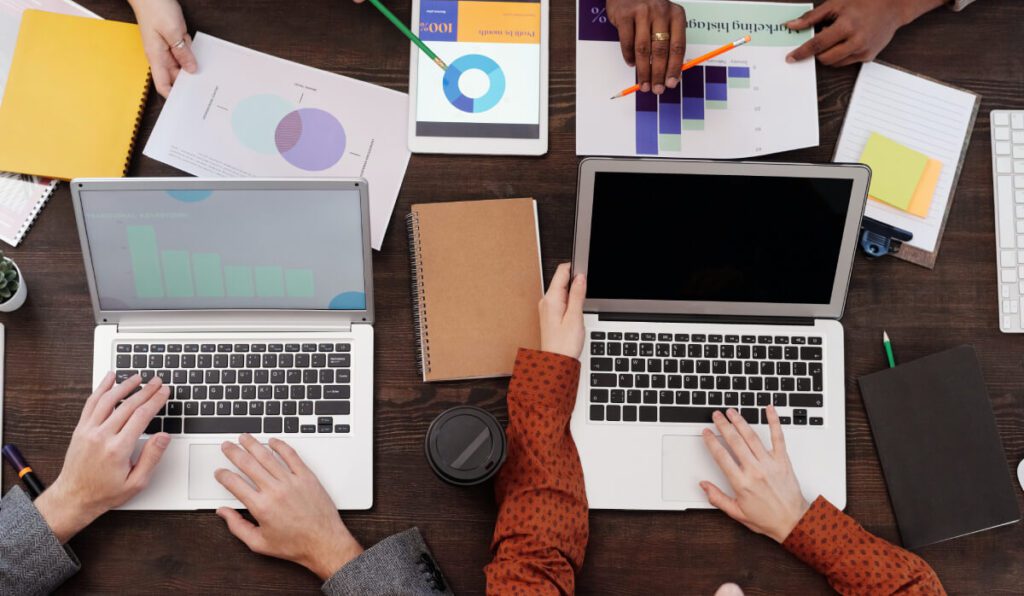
(694, 62)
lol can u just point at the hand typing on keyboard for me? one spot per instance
(561, 314)
(98, 474)
(297, 520)
(768, 498)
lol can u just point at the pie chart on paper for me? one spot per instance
(310, 139)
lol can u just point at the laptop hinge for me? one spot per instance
(707, 319)
(222, 327)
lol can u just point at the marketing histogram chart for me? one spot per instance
(747, 102)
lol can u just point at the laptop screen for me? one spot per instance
(226, 249)
(715, 238)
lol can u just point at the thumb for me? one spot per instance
(152, 451)
(241, 528)
(577, 294)
(727, 504)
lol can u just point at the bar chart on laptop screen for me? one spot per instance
(746, 102)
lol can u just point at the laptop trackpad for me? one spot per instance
(203, 461)
(685, 461)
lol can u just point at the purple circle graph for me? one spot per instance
(310, 139)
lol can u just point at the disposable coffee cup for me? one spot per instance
(465, 445)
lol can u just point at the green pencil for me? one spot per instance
(405, 31)
(888, 349)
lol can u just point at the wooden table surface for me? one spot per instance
(49, 341)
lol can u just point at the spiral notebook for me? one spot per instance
(86, 125)
(476, 281)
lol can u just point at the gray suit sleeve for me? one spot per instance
(399, 564)
(32, 560)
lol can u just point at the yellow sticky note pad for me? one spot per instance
(922, 199)
(896, 170)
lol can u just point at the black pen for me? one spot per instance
(14, 457)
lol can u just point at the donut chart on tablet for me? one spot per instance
(462, 65)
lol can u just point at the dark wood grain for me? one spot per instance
(49, 347)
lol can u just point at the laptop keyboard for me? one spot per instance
(682, 377)
(267, 388)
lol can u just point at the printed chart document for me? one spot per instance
(245, 114)
(746, 102)
(23, 196)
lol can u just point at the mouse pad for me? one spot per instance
(685, 461)
(203, 461)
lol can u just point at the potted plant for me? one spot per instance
(13, 290)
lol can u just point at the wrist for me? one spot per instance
(329, 558)
(790, 522)
(64, 515)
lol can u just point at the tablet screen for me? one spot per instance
(492, 86)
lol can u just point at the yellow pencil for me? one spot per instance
(694, 62)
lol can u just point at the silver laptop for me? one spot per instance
(253, 301)
(710, 286)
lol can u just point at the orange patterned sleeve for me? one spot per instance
(854, 560)
(542, 530)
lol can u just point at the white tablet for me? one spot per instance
(493, 98)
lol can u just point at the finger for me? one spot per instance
(247, 464)
(150, 456)
(837, 53)
(778, 438)
(642, 50)
(627, 32)
(186, 59)
(243, 529)
(725, 461)
(677, 46)
(123, 412)
(558, 288)
(161, 71)
(821, 42)
(812, 17)
(263, 455)
(577, 295)
(290, 457)
(237, 486)
(659, 54)
(140, 418)
(105, 384)
(748, 434)
(106, 403)
(852, 59)
(727, 504)
(736, 443)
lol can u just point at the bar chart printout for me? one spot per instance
(183, 274)
(744, 103)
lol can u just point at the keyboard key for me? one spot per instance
(308, 428)
(596, 349)
(817, 421)
(599, 396)
(648, 414)
(289, 408)
(342, 428)
(140, 348)
(597, 413)
(615, 335)
(192, 408)
(601, 364)
(750, 415)
(810, 353)
(337, 392)
(153, 427)
(227, 425)
(597, 335)
(280, 392)
(291, 347)
(172, 425)
(806, 400)
(123, 348)
(613, 413)
(272, 425)
(291, 425)
(629, 413)
(338, 408)
(686, 414)
(602, 380)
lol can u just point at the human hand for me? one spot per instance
(657, 61)
(165, 39)
(855, 30)
(561, 314)
(768, 498)
(297, 520)
(98, 474)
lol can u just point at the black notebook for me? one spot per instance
(943, 461)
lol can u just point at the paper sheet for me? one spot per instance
(245, 113)
(21, 197)
(924, 115)
(747, 102)
(922, 199)
(896, 170)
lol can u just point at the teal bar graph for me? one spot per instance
(184, 274)
(299, 283)
(145, 261)
(209, 281)
(177, 274)
(239, 281)
(269, 281)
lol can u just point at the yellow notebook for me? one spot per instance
(76, 89)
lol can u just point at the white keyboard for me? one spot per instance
(1008, 181)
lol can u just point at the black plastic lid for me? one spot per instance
(465, 445)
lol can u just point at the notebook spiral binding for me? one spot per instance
(138, 122)
(31, 219)
(419, 316)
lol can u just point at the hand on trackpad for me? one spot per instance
(685, 461)
(203, 461)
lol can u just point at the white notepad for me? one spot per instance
(925, 115)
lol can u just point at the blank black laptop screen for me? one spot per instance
(715, 238)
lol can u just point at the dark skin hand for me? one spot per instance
(855, 30)
(657, 62)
